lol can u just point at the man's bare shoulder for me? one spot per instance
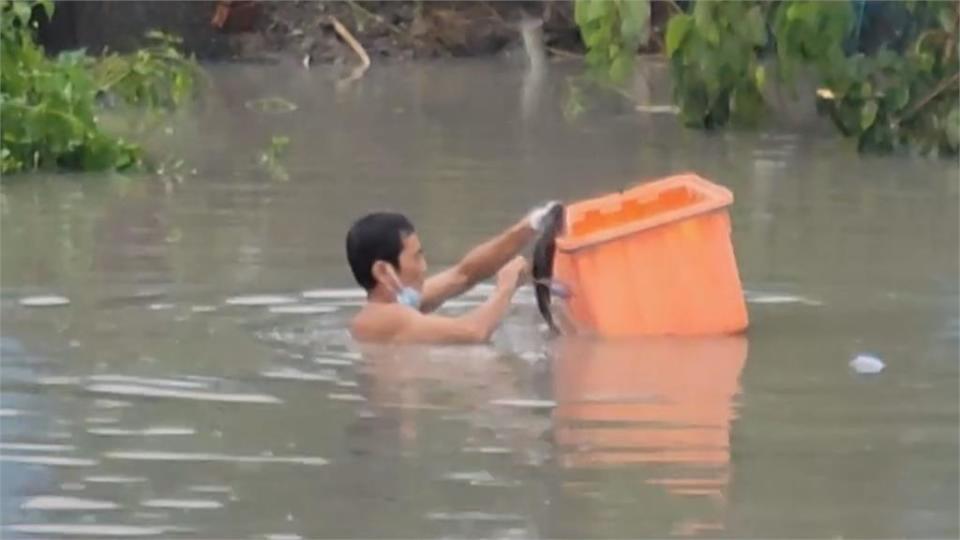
(380, 322)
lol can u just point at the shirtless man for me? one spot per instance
(387, 260)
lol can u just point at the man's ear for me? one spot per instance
(381, 273)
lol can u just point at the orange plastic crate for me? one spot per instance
(656, 259)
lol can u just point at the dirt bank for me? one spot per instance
(318, 32)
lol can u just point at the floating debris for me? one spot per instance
(865, 364)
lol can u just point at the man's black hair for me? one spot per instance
(376, 237)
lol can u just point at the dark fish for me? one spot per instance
(543, 251)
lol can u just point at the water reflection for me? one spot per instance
(666, 404)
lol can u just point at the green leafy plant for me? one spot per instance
(714, 58)
(49, 106)
(157, 76)
(271, 159)
(612, 30)
(892, 101)
(901, 95)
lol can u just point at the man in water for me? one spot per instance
(387, 260)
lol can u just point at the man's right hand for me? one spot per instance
(512, 274)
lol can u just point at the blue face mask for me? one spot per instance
(409, 296)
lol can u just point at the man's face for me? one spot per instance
(413, 265)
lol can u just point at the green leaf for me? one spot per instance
(677, 30)
(948, 17)
(898, 97)
(868, 114)
(621, 67)
(952, 129)
(635, 21)
(47, 6)
(703, 16)
(755, 25)
(580, 12)
(760, 77)
(21, 11)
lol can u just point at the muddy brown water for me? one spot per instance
(200, 383)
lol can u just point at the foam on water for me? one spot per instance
(182, 504)
(146, 432)
(210, 489)
(30, 447)
(146, 391)
(472, 516)
(345, 397)
(56, 461)
(255, 300)
(525, 403)
(84, 529)
(114, 479)
(149, 455)
(152, 381)
(470, 476)
(756, 297)
(55, 502)
(294, 374)
(335, 294)
(44, 301)
(332, 362)
(100, 420)
(301, 309)
(110, 403)
(59, 380)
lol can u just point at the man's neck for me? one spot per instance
(380, 295)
